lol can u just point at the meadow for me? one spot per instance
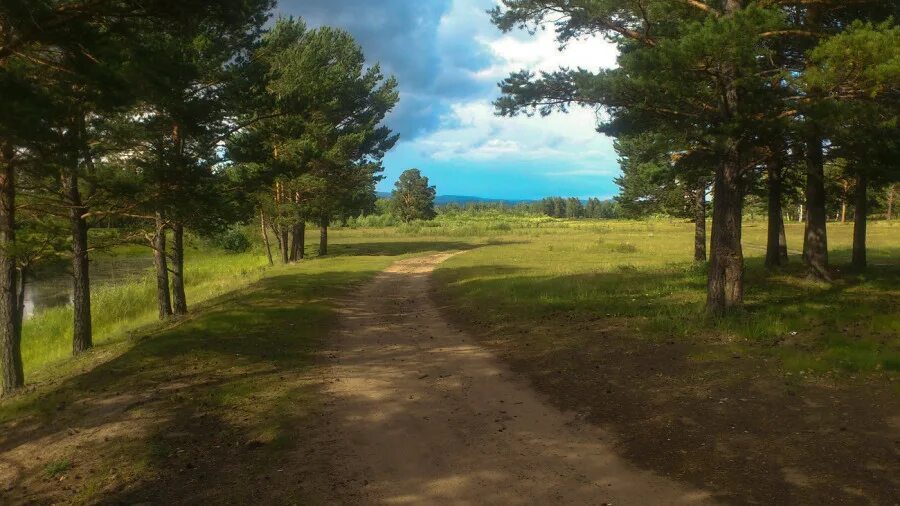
(604, 317)
(524, 268)
(643, 272)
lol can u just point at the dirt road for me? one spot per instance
(421, 414)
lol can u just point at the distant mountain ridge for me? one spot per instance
(463, 199)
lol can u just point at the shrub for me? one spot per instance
(232, 241)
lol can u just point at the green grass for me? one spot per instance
(118, 308)
(56, 468)
(232, 380)
(643, 272)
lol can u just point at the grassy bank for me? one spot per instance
(642, 273)
(213, 407)
(121, 307)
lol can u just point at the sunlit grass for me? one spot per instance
(644, 272)
(123, 306)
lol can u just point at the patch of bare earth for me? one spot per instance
(422, 414)
(737, 426)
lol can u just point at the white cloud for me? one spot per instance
(541, 52)
(471, 132)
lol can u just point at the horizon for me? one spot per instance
(445, 117)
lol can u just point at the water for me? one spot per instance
(54, 288)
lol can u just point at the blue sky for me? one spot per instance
(448, 58)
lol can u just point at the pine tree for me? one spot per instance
(412, 198)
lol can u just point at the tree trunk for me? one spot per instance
(10, 331)
(725, 286)
(162, 269)
(82, 339)
(700, 225)
(860, 213)
(890, 201)
(815, 245)
(265, 234)
(285, 245)
(323, 237)
(298, 241)
(179, 298)
(20, 297)
(776, 244)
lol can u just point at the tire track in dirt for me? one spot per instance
(419, 413)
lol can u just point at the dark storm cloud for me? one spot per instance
(433, 62)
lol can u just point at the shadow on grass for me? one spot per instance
(730, 421)
(396, 248)
(204, 409)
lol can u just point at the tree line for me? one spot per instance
(156, 117)
(721, 98)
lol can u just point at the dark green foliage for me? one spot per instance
(232, 240)
(412, 198)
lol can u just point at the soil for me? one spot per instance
(422, 414)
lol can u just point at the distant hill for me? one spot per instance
(461, 199)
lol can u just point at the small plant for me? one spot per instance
(57, 467)
(625, 248)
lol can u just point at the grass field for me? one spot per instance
(230, 383)
(643, 272)
(605, 317)
(47, 338)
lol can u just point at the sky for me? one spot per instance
(448, 59)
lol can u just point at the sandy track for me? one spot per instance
(421, 414)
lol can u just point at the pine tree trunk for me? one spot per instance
(700, 225)
(20, 297)
(323, 237)
(82, 339)
(815, 245)
(725, 286)
(162, 269)
(265, 234)
(860, 213)
(10, 331)
(890, 201)
(285, 244)
(782, 244)
(776, 241)
(298, 241)
(179, 298)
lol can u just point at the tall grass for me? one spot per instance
(122, 307)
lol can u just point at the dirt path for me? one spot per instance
(421, 414)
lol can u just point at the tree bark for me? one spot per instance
(700, 225)
(179, 298)
(285, 244)
(725, 285)
(860, 213)
(10, 331)
(890, 201)
(82, 338)
(776, 244)
(162, 269)
(298, 241)
(815, 245)
(323, 237)
(265, 234)
(725, 282)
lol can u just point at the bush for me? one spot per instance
(232, 241)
